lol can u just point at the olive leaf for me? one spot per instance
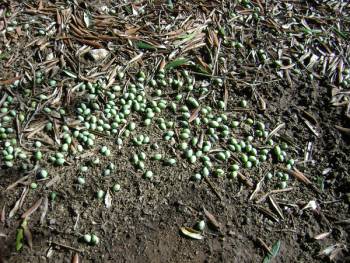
(267, 259)
(19, 239)
(144, 45)
(27, 234)
(275, 248)
(273, 253)
(70, 74)
(176, 63)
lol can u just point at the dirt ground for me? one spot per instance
(143, 223)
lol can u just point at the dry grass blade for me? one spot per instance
(3, 214)
(21, 180)
(312, 128)
(225, 96)
(276, 207)
(211, 218)
(256, 190)
(212, 186)
(45, 209)
(343, 130)
(264, 245)
(32, 209)
(268, 213)
(275, 131)
(263, 198)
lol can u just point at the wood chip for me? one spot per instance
(75, 258)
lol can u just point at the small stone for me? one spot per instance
(98, 54)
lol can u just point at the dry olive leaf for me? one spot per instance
(191, 233)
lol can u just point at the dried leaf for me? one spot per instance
(3, 214)
(225, 97)
(191, 233)
(322, 235)
(256, 190)
(9, 81)
(18, 203)
(135, 58)
(211, 218)
(27, 234)
(11, 186)
(70, 74)
(87, 20)
(45, 208)
(108, 199)
(53, 181)
(298, 175)
(32, 209)
(194, 115)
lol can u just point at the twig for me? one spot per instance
(213, 187)
(273, 192)
(264, 245)
(65, 246)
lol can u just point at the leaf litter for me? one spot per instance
(72, 49)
